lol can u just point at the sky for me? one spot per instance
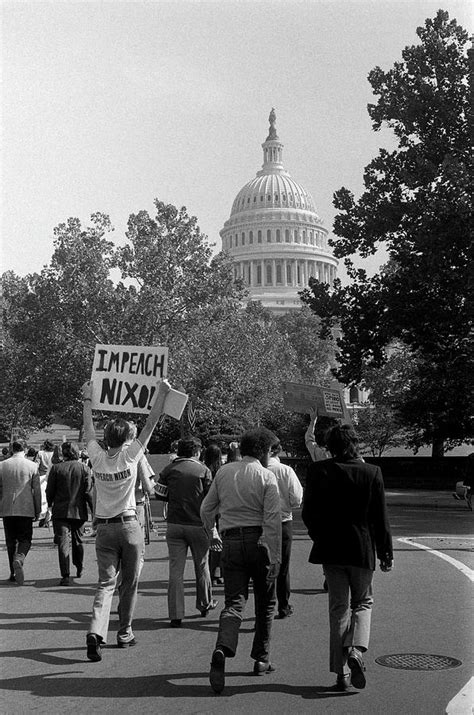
(109, 105)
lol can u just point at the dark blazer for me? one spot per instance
(345, 512)
(69, 490)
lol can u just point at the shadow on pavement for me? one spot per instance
(61, 684)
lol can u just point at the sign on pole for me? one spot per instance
(303, 398)
(124, 377)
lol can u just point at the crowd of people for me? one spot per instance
(235, 518)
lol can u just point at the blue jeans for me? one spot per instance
(119, 548)
(350, 610)
(68, 537)
(243, 559)
(179, 537)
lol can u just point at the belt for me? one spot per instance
(117, 519)
(241, 530)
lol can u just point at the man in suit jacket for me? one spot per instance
(345, 513)
(20, 505)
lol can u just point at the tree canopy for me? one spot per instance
(417, 202)
(164, 287)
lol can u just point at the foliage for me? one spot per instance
(417, 201)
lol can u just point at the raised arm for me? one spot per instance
(89, 429)
(155, 413)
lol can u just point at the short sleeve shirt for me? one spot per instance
(114, 478)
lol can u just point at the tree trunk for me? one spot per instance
(438, 447)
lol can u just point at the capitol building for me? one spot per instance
(274, 234)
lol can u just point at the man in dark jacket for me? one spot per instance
(345, 513)
(69, 493)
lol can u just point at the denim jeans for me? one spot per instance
(18, 536)
(243, 559)
(68, 537)
(350, 610)
(283, 588)
(179, 537)
(119, 548)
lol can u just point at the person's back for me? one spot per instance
(16, 479)
(188, 481)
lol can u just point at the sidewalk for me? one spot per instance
(426, 499)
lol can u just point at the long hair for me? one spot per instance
(343, 443)
(212, 458)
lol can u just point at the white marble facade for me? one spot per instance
(275, 236)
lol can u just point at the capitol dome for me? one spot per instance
(274, 235)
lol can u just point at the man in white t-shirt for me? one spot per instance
(119, 542)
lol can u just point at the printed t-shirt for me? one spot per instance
(114, 478)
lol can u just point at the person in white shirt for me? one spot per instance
(119, 542)
(245, 495)
(291, 496)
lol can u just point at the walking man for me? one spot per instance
(20, 505)
(245, 495)
(184, 483)
(291, 495)
(69, 493)
(119, 542)
(345, 513)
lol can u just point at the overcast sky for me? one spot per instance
(108, 105)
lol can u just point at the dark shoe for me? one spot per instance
(65, 581)
(217, 673)
(18, 572)
(288, 611)
(213, 604)
(263, 668)
(79, 572)
(12, 578)
(126, 640)
(93, 642)
(217, 581)
(356, 664)
(343, 683)
(175, 623)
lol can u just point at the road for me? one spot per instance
(423, 607)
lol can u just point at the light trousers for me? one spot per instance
(350, 611)
(119, 548)
(179, 538)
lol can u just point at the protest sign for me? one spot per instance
(124, 377)
(327, 400)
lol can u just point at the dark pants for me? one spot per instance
(244, 560)
(18, 536)
(68, 537)
(283, 580)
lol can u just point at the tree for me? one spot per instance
(55, 318)
(417, 201)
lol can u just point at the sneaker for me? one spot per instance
(18, 572)
(262, 667)
(125, 640)
(356, 664)
(217, 673)
(213, 604)
(93, 643)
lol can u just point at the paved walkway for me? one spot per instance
(421, 607)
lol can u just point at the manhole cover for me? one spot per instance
(418, 661)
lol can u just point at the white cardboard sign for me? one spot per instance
(125, 377)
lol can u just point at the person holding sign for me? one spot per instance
(119, 541)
